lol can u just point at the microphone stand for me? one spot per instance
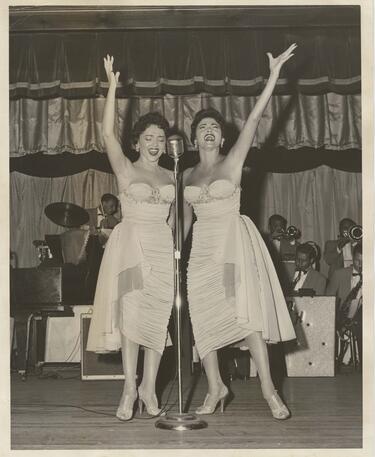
(178, 421)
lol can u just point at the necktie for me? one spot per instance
(295, 281)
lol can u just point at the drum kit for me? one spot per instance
(66, 215)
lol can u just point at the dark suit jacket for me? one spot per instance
(334, 259)
(316, 281)
(287, 249)
(339, 284)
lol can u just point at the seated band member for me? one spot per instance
(346, 285)
(305, 277)
(338, 253)
(103, 218)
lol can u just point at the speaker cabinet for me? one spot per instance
(98, 366)
(313, 354)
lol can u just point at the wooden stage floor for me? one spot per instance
(68, 413)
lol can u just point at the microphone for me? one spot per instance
(175, 146)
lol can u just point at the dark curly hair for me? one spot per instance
(203, 113)
(308, 249)
(277, 217)
(152, 118)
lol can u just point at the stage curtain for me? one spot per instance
(154, 62)
(52, 126)
(313, 200)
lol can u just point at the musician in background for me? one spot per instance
(282, 248)
(284, 245)
(104, 218)
(346, 285)
(338, 253)
(305, 277)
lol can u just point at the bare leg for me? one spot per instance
(147, 388)
(217, 391)
(258, 350)
(129, 362)
(211, 367)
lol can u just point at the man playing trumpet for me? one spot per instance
(282, 242)
(339, 253)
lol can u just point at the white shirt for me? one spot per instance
(301, 280)
(99, 216)
(347, 254)
(355, 303)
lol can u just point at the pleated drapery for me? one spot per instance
(57, 125)
(154, 62)
(313, 200)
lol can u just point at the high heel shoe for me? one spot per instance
(278, 409)
(151, 404)
(125, 411)
(210, 402)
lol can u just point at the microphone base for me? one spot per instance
(180, 422)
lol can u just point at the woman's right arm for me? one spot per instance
(118, 161)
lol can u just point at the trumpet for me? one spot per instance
(355, 233)
(291, 233)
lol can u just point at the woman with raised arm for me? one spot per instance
(134, 293)
(233, 289)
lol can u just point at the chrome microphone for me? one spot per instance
(175, 146)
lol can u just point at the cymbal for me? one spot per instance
(66, 214)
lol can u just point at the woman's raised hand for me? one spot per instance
(108, 65)
(277, 62)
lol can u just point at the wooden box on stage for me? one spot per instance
(98, 366)
(314, 352)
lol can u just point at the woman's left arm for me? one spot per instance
(241, 148)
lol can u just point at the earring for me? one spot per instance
(222, 142)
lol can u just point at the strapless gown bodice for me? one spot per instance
(141, 192)
(141, 202)
(217, 199)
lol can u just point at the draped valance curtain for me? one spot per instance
(312, 126)
(154, 62)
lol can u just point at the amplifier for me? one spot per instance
(313, 354)
(48, 287)
(98, 366)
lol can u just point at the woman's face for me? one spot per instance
(208, 134)
(151, 143)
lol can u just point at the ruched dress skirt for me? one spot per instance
(233, 288)
(134, 293)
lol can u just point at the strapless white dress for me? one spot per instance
(134, 293)
(233, 288)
